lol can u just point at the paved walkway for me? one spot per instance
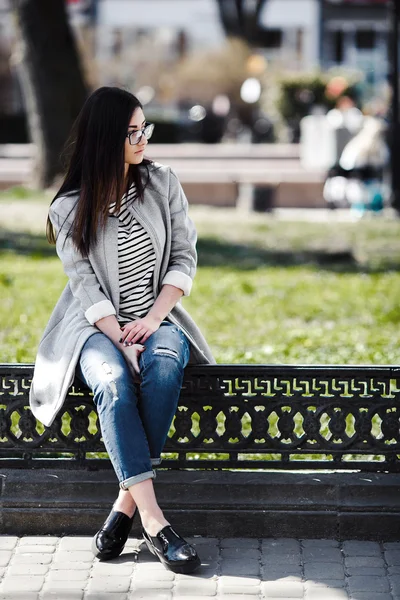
(63, 568)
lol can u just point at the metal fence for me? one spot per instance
(229, 417)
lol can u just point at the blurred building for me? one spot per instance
(179, 25)
(354, 34)
(289, 32)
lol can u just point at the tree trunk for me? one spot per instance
(51, 80)
(239, 19)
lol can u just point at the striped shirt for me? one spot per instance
(136, 261)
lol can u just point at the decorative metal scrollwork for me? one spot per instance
(230, 416)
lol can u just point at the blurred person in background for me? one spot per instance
(121, 228)
(358, 179)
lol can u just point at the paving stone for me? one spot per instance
(281, 546)
(199, 539)
(32, 557)
(31, 583)
(322, 555)
(199, 587)
(320, 543)
(105, 569)
(240, 567)
(5, 556)
(155, 566)
(317, 594)
(65, 584)
(206, 554)
(153, 594)
(43, 549)
(391, 545)
(281, 559)
(327, 584)
(112, 583)
(392, 557)
(273, 572)
(364, 561)
(232, 597)
(8, 542)
(105, 596)
(146, 584)
(356, 548)
(67, 576)
(240, 553)
(76, 566)
(367, 583)
(200, 573)
(27, 569)
(395, 583)
(60, 595)
(321, 570)
(282, 589)
(75, 556)
(376, 571)
(394, 570)
(282, 578)
(19, 596)
(145, 575)
(371, 596)
(74, 543)
(235, 590)
(239, 543)
(247, 581)
(38, 540)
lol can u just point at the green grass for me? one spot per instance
(266, 291)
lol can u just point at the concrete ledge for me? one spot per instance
(210, 503)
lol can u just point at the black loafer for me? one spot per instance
(110, 540)
(173, 551)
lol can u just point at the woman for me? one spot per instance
(125, 240)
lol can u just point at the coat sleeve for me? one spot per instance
(183, 257)
(83, 281)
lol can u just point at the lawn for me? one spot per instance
(266, 291)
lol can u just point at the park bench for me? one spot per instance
(254, 450)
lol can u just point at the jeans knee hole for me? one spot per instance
(110, 379)
(166, 352)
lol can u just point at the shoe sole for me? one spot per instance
(189, 567)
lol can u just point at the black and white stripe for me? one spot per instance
(136, 261)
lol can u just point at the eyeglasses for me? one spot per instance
(134, 137)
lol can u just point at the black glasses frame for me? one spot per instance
(146, 131)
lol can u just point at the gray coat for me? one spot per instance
(92, 291)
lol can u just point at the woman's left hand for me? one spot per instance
(137, 332)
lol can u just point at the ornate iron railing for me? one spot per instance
(229, 416)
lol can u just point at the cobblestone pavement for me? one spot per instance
(63, 568)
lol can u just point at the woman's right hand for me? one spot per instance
(132, 354)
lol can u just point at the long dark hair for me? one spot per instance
(96, 166)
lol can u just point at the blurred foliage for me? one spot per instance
(300, 93)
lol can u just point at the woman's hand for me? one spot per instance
(132, 354)
(138, 331)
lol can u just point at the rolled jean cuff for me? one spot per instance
(126, 483)
(155, 461)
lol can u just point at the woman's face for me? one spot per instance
(134, 154)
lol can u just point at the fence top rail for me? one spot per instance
(392, 371)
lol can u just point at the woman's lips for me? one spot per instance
(140, 151)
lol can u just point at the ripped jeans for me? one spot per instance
(135, 426)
